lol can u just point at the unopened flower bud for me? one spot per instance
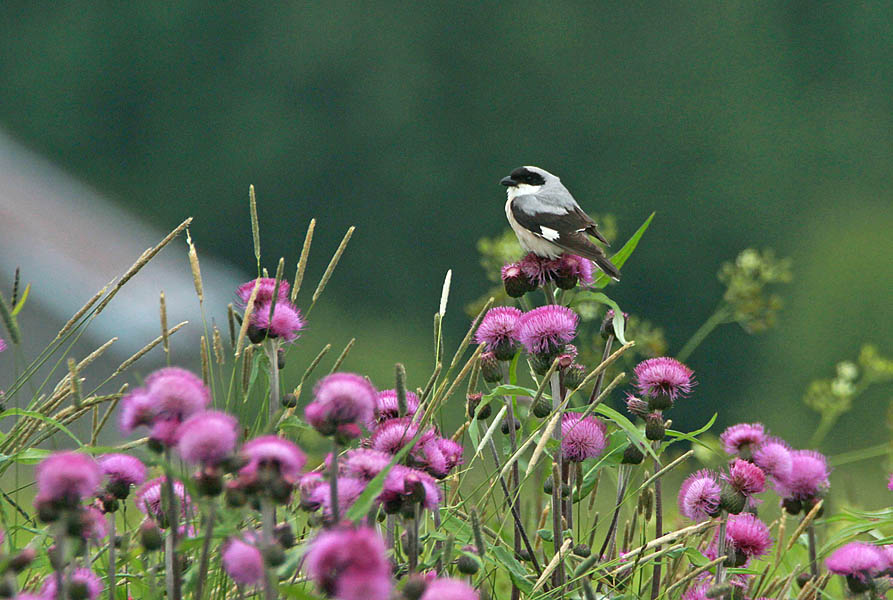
(632, 455)
(524, 555)
(209, 482)
(505, 425)
(541, 409)
(468, 563)
(289, 400)
(415, 587)
(654, 427)
(582, 550)
(280, 358)
(607, 328)
(574, 375)
(150, 535)
(731, 501)
(548, 486)
(515, 281)
(637, 406)
(284, 535)
(491, 370)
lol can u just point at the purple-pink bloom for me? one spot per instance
(582, 438)
(266, 287)
(2, 344)
(349, 489)
(748, 535)
(122, 469)
(272, 452)
(207, 437)
(341, 399)
(286, 323)
(808, 477)
(386, 406)
(170, 396)
(94, 525)
(571, 265)
(745, 477)
(452, 451)
(403, 484)
(890, 483)
(350, 564)
(774, 457)
(364, 463)
(857, 559)
(149, 499)
(698, 591)
(444, 588)
(699, 495)
(81, 576)
(663, 376)
(742, 439)
(391, 435)
(498, 330)
(67, 478)
(243, 562)
(546, 329)
(138, 409)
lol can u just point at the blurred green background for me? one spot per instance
(742, 124)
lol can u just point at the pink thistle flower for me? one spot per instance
(748, 535)
(746, 477)
(341, 399)
(742, 439)
(67, 478)
(773, 456)
(890, 483)
(431, 458)
(81, 577)
(498, 330)
(699, 495)
(444, 588)
(663, 376)
(545, 330)
(307, 488)
(272, 452)
(582, 438)
(539, 270)
(514, 280)
(286, 323)
(571, 266)
(386, 406)
(148, 500)
(265, 290)
(452, 451)
(207, 437)
(138, 409)
(697, 592)
(808, 477)
(391, 435)
(348, 564)
(405, 484)
(2, 345)
(242, 562)
(178, 392)
(122, 470)
(349, 489)
(94, 526)
(857, 559)
(364, 463)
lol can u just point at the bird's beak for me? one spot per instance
(508, 182)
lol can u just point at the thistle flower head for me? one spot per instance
(663, 376)
(699, 495)
(341, 399)
(405, 484)
(81, 577)
(773, 456)
(2, 345)
(387, 406)
(349, 489)
(514, 280)
(170, 396)
(242, 561)
(67, 478)
(857, 559)
(122, 469)
(265, 289)
(698, 591)
(890, 483)
(582, 437)
(545, 330)
(498, 330)
(742, 439)
(745, 477)
(365, 463)
(808, 477)
(94, 525)
(286, 323)
(444, 588)
(149, 500)
(138, 409)
(391, 435)
(207, 437)
(348, 563)
(272, 452)
(748, 535)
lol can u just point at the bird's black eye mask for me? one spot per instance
(522, 175)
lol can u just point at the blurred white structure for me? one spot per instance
(69, 242)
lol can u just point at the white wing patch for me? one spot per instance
(549, 233)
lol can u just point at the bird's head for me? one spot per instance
(527, 180)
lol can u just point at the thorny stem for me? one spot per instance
(206, 549)
(658, 526)
(171, 571)
(267, 518)
(623, 477)
(516, 473)
(721, 547)
(333, 484)
(813, 565)
(112, 557)
(601, 376)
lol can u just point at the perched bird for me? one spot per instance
(548, 221)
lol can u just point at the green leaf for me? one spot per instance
(508, 390)
(21, 303)
(545, 534)
(624, 253)
(619, 322)
(501, 556)
(627, 426)
(617, 442)
(13, 412)
(692, 436)
(29, 456)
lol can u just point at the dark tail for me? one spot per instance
(608, 267)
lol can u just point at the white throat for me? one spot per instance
(522, 189)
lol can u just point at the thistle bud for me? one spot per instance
(280, 358)
(150, 535)
(524, 555)
(660, 402)
(607, 328)
(731, 501)
(792, 506)
(637, 406)
(209, 482)
(541, 409)
(632, 455)
(289, 400)
(468, 563)
(491, 370)
(548, 485)
(515, 281)
(415, 587)
(505, 425)
(284, 535)
(654, 427)
(574, 375)
(582, 550)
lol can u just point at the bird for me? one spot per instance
(548, 221)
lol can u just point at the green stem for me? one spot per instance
(721, 547)
(825, 425)
(206, 549)
(272, 349)
(658, 525)
(112, 557)
(333, 484)
(171, 572)
(266, 508)
(716, 319)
